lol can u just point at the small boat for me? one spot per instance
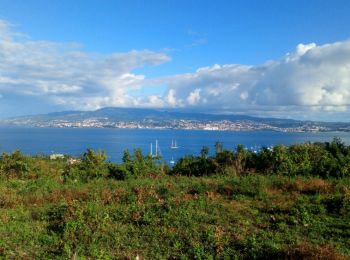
(173, 144)
(172, 162)
(151, 150)
(157, 153)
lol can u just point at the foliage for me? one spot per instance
(195, 166)
(14, 165)
(138, 164)
(91, 165)
(281, 203)
(319, 159)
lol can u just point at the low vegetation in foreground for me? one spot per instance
(281, 203)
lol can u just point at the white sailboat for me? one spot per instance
(151, 150)
(173, 144)
(157, 153)
(172, 162)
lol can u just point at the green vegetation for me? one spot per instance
(281, 203)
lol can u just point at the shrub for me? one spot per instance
(194, 166)
(92, 165)
(139, 164)
(118, 172)
(14, 165)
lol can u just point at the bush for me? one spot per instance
(194, 166)
(118, 172)
(92, 165)
(140, 165)
(14, 165)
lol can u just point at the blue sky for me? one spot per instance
(266, 58)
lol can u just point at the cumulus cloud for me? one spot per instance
(312, 78)
(170, 98)
(65, 75)
(194, 97)
(222, 87)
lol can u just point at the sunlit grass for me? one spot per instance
(174, 217)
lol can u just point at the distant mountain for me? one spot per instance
(162, 118)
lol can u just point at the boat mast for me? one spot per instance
(173, 144)
(156, 147)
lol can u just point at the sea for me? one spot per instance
(75, 141)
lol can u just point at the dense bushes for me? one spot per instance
(318, 159)
(93, 165)
(195, 166)
(324, 160)
(329, 159)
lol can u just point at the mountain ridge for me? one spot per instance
(168, 118)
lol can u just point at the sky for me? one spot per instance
(269, 58)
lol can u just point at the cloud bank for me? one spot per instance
(311, 81)
(66, 76)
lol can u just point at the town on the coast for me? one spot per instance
(221, 125)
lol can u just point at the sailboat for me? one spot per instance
(173, 144)
(151, 150)
(172, 162)
(157, 153)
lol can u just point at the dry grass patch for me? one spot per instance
(273, 191)
(310, 252)
(239, 205)
(145, 193)
(314, 186)
(306, 186)
(110, 196)
(67, 195)
(278, 198)
(8, 198)
(4, 218)
(213, 196)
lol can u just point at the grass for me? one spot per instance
(174, 217)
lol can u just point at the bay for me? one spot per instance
(75, 141)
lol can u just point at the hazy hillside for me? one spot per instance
(157, 118)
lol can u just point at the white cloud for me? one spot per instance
(194, 97)
(244, 95)
(155, 101)
(68, 76)
(309, 79)
(170, 98)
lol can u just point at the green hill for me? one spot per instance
(220, 207)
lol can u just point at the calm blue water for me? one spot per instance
(75, 141)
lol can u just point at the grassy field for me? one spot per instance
(156, 216)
